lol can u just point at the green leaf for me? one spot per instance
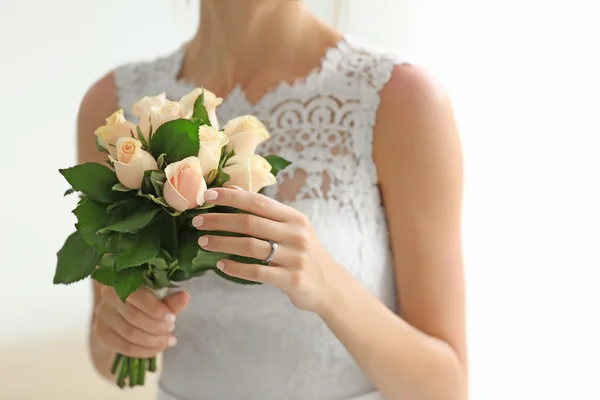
(168, 239)
(161, 279)
(107, 261)
(113, 242)
(76, 260)
(148, 186)
(160, 161)
(105, 276)
(135, 221)
(179, 275)
(187, 249)
(120, 188)
(122, 210)
(138, 248)
(142, 139)
(128, 281)
(92, 217)
(200, 99)
(69, 191)
(159, 263)
(161, 201)
(200, 113)
(206, 260)
(177, 139)
(225, 157)
(277, 163)
(221, 179)
(93, 180)
(157, 180)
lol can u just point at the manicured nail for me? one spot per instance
(170, 318)
(198, 221)
(221, 265)
(172, 341)
(203, 241)
(171, 328)
(236, 187)
(210, 194)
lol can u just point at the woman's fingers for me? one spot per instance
(177, 302)
(244, 246)
(117, 332)
(245, 224)
(275, 276)
(143, 321)
(121, 345)
(253, 203)
(144, 300)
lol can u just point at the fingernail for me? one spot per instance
(221, 265)
(236, 187)
(172, 341)
(198, 221)
(210, 194)
(170, 318)
(171, 328)
(203, 241)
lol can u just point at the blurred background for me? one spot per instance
(525, 79)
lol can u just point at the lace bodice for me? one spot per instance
(249, 342)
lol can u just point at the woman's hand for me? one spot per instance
(300, 266)
(140, 327)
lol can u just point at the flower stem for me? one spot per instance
(152, 365)
(134, 364)
(123, 372)
(115, 364)
(142, 371)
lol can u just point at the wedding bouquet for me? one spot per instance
(134, 214)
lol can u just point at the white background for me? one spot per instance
(524, 76)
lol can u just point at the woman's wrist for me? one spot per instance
(339, 288)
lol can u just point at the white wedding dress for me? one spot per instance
(240, 342)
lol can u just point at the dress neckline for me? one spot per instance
(238, 96)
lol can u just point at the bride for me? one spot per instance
(364, 297)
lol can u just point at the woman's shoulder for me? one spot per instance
(362, 62)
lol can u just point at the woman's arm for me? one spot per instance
(98, 103)
(422, 355)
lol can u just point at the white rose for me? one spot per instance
(156, 111)
(116, 127)
(251, 172)
(131, 162)
(211, 143)
(245, 133)
(211, 102)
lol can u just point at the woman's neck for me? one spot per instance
(242, 41)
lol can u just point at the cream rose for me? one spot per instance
(251, 172)
(143, 106)
(131, 162)
(211, 102)
(116, 127)
(157, 110)
(245, 133)
(211, 143)
(185, 186)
